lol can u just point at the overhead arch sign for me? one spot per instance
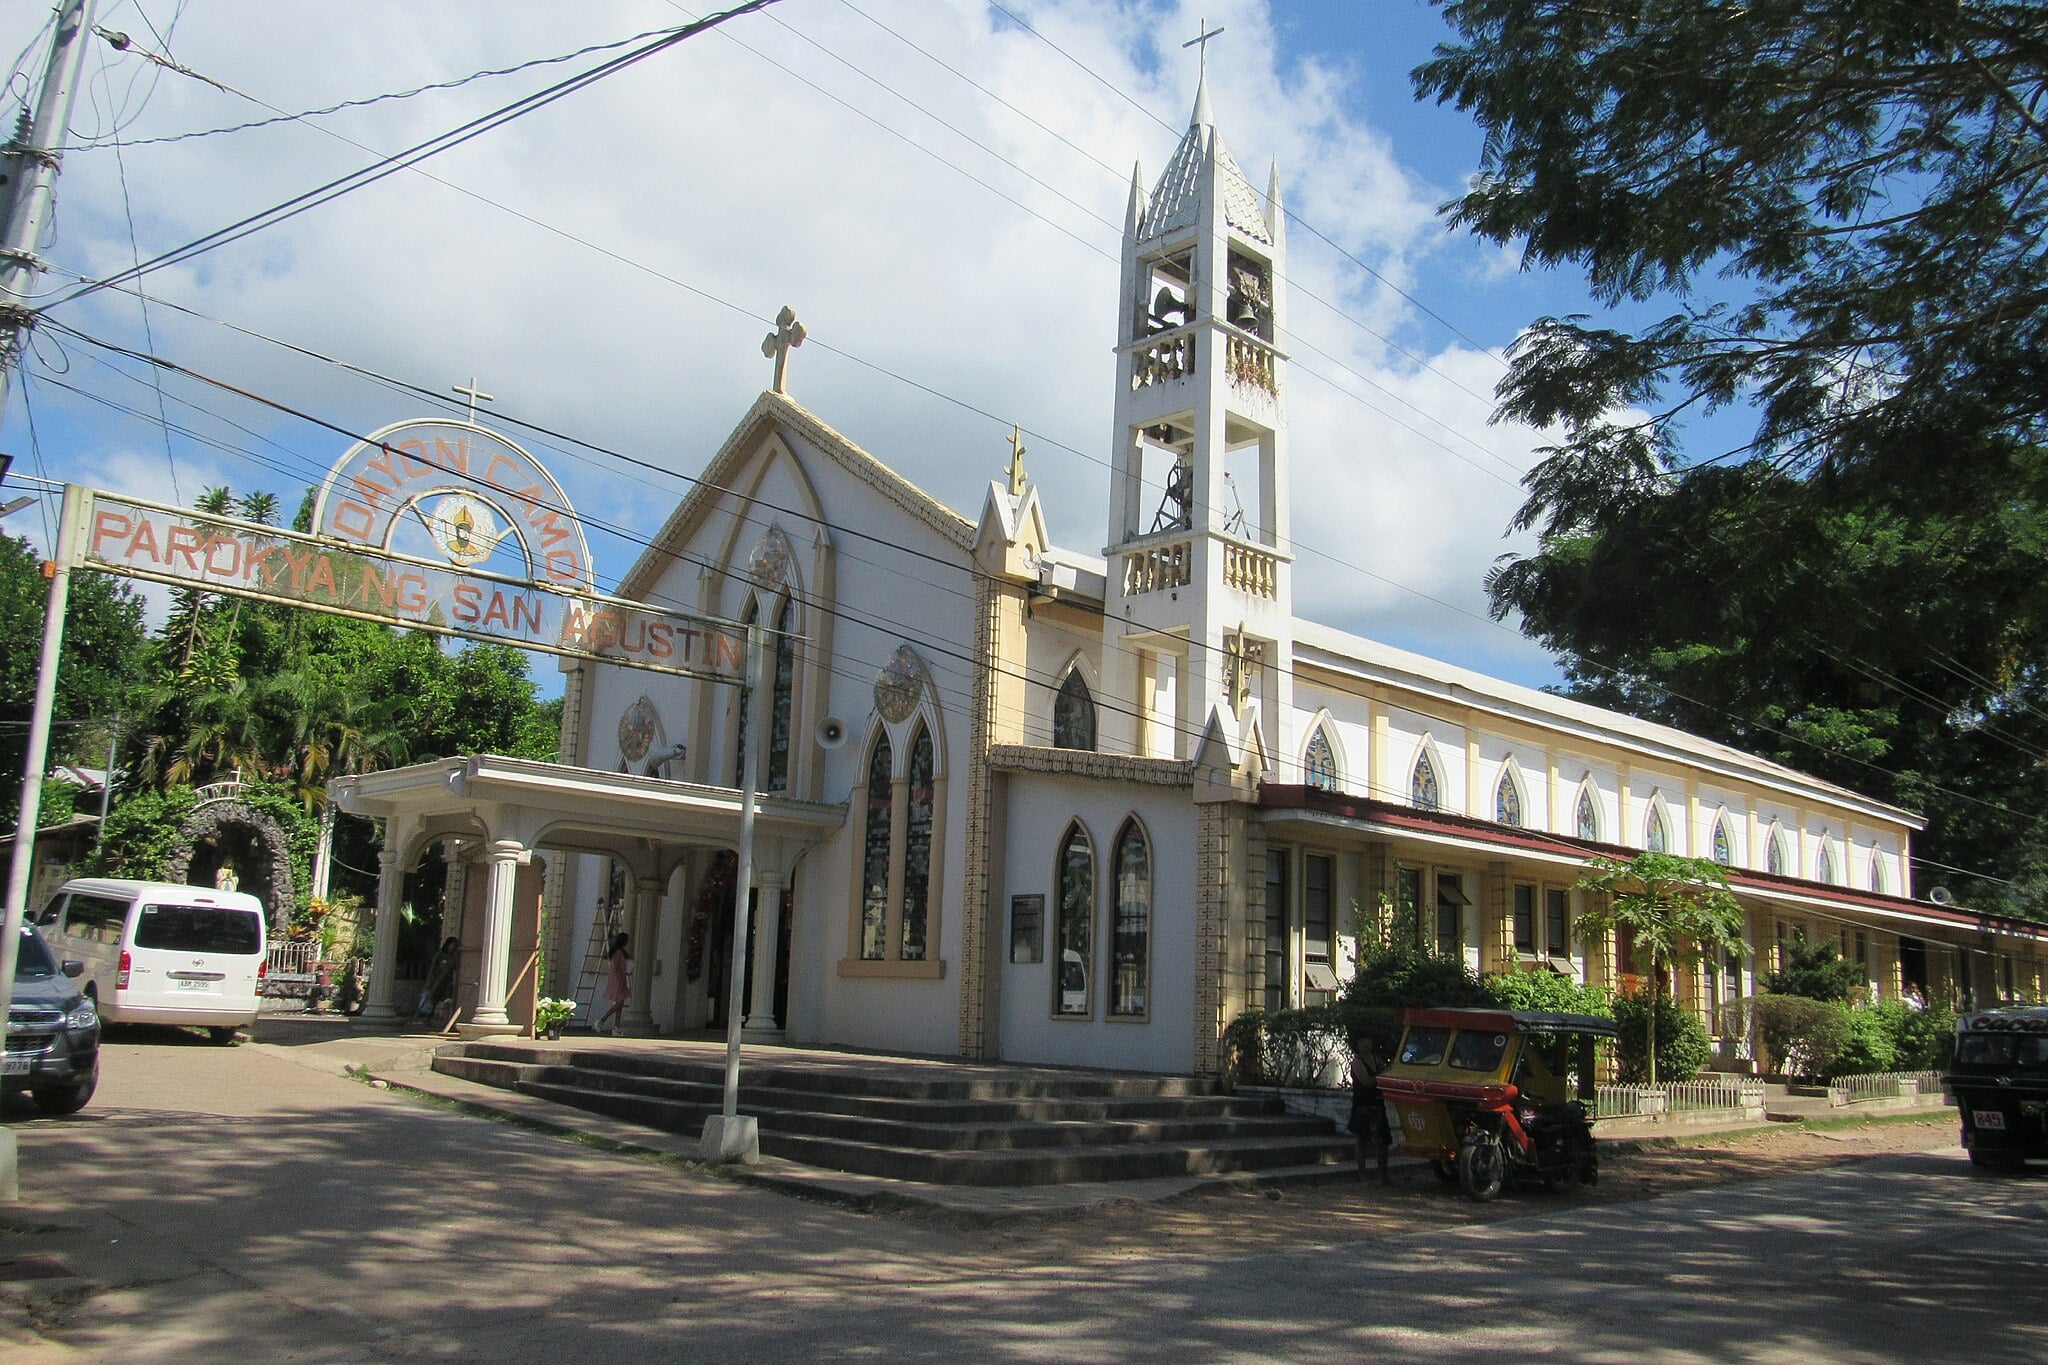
(191, 549)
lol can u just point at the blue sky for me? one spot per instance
(946, 231)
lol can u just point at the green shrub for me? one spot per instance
(1682, 1043)
(1814, 970)
(1926, 1039)
(1402, 976)
(1801, 1037)
(1546, 990)
(1871, 1043)
(1299, 1048)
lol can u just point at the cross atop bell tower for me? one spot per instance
(1199, 549)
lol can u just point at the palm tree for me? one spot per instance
(1675, 908)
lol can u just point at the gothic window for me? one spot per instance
(1073, 714)
(1130, 939)
(1724, 847)
(1774, 850)
(783, 699)
(1588, 814)
(739, 745)
(1423, 791)
(1075, 932)
(1876, 871)
(1507, 801)
(881, 808)
(1656, 836)
(1824, 862)
(917, 848)
(1319, 763)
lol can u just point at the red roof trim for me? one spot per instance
(1283, 797)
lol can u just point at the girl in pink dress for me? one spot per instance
(615, 988)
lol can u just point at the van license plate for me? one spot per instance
(1988, 1118)
(17, 1064)
(195, 985)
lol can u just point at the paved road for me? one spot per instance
(251, 1203)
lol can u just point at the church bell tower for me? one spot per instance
(1199, 621)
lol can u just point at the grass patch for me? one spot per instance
(1833, 1122)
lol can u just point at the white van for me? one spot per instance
(159, 953)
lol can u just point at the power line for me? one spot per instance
(391, 165)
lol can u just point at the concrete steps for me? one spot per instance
(1027, 1127)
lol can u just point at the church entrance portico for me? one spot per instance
(512, 810)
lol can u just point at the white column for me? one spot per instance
(761, 1025)
(501, 860)
(379, 1009)
(639, 997)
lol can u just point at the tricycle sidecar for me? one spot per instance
(1490, 1096)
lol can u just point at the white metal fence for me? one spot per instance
(1883, 1085)
(293, 956)
(1714, 1097)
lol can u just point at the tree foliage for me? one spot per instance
(1815, 970)
(1674, 909)
(1827, 217)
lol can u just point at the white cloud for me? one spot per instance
(706, 170)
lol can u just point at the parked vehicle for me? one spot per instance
(1488, 1095)
(53, 1031)
(159, 953)
(2000, 1083)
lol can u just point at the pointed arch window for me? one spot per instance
(1876, 871)
(1507, 800)
(1075, 931)
(1656, 834)
(917, 849)
(1130, 937)
(1588, 814)
(1774, 850)
(1319, 762)
(1824, 862)
(1723, 847)
(1073, 714)
(877, 844)
(742, 702)
(782, 699)
(1424, 792)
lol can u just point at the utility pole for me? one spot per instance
(30, 165)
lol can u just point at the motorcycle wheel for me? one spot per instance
(1482, 1167)
(1446, 1171)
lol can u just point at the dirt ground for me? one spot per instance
(1318, 1213)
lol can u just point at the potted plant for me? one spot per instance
(549, 1014)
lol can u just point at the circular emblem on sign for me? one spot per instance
(898, 685)
(467, 529)
(636, 730)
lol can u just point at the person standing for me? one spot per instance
(616, 987)
(1368, 1111)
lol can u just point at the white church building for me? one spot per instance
(1028, 802)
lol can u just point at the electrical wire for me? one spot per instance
(389, 166)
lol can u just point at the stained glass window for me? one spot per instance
(1774, 850)
(1076, 931)
(739, 747)
(1588, 815)
(1319, 763)
(1423, 791)
(1073, 714)
(1130, 940)
(1724, 849)
(1876, 872)
(780, 704)
(917, 848)
(874, 896)
(1824, 862)
(1507, 801)
(1656, 836)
